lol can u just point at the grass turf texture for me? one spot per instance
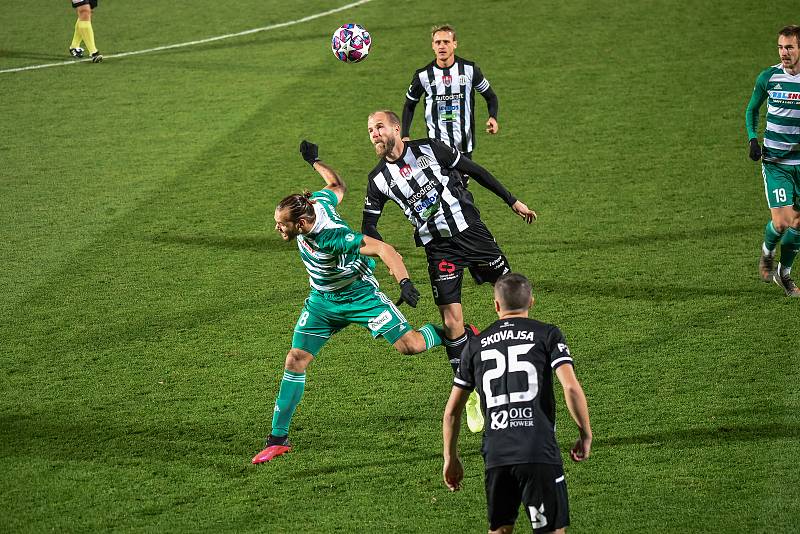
(147, 305)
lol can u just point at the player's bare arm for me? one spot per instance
(388, 255)
(310, 153)
(332, 179)
(453, 470)
(575, 400)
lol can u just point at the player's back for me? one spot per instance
(511, 366)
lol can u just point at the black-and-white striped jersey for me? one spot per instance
(511, 365)
(424, 183)
(449, 100)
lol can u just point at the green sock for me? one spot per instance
(771, 237)
(292, 387)
(432, 334)
(790, 246)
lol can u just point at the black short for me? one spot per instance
(474, 249)
(90, 3)
(540, 488)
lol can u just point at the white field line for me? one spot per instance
(201, 41)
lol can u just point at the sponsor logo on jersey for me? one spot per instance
(424, 162)
(366, 200)
(514, 335)
(784, 95)
(405, 171)
(778, 86)
(442, 98)
(428, 206)
(447, 80)
(422, 193)
(349, 237)
(562, 347)
(511, 418)
(462, 79)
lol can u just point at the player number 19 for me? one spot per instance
(514, 365)
(780, 194)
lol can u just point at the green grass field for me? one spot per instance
(146, 304)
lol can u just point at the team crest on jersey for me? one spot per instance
(423, 162)
(405, 171)
(462, 79)
(447, 80)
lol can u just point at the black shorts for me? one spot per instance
(540, 488)
(90, 3)
(474, 249)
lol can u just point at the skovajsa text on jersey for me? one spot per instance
(426, 182)
(330, 251)
(511, 364)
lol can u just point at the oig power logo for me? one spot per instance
(502, 419)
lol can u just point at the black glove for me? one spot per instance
(309, 151)
(408, 293)
(755, 150)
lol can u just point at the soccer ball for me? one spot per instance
(350, 43)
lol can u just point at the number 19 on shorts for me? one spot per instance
(779, 194)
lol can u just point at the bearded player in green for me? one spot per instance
(343, 291)
(779, 85)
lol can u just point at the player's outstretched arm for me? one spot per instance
(487, 180)
(310, 153)
(394, 261)
(453, 470)
(578, 409)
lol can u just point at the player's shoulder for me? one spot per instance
(424, 69)
(466, 62)
(419, 142)
(326, 196)
(378, 169)
(770, 71)
(538, 328)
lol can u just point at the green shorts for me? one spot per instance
(781, 184)
(324, 314)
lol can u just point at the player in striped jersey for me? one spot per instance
(779, 85)
(424, 178)
(343, 291)
(448, 84)
(511, 364)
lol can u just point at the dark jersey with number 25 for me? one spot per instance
(511, 364)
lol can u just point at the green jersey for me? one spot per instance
(782, 132)
(330, 251)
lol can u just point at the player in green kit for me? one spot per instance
(343, 291)
(779, 85)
